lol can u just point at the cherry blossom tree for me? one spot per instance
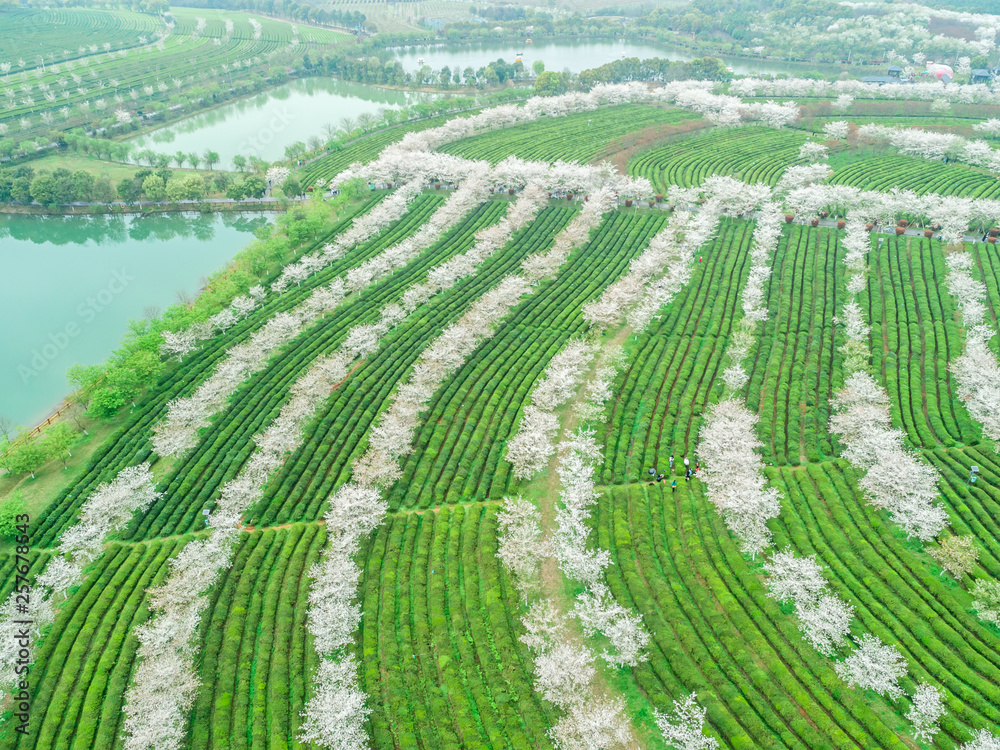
(987, 599)
(982, 739)
(926, 711)
(732, 472)
(684, 728)
(521, 543)
(874, 666)
(956, 555)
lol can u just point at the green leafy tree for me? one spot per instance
(57, 442)
(154, 188)
(103, 192)
(128, 191)
(291, 187)
(211, 158)
(83, 185)
(10, 508)
(550, 83)
(538, 67)
(45, 190)
(254, 186)
(25, 456)
(179, 158)
(240, 163)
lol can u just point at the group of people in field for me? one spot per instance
(688, 473)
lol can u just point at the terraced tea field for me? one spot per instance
(337, 558)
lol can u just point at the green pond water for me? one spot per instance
(574, 55)
(69, 286)
(264, 124)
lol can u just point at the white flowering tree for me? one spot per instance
(874, 666)
(926, 711)
(684, 727)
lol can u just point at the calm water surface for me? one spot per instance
(264, 124)
(574, 55)
(68, 288)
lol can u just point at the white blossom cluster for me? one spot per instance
(926, 711)
(165, 681)
(838, 129)
(977, 93)
(470, 193)
(597, 390)
(694, 95)
(976, 370)
(983, 739)
(873, 666)
(766, 234)
(824, 618)
(530, 449)
(15, 649)
(521, 543)
(564, 673)
(357, 507)
(277, 174)
(896, 480)
(733, 473)
(363, 228)
(596, 608)
(684, 727)
(563, 666)
(930, 145)
(107, 510)
(666, 263)
(178, 431)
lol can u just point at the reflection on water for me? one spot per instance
(70, 285)
(572, 55)
(264, 124)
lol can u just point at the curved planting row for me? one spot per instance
(973, 508)
(660, 396)
(896, 594)
(574, 138)
(83, 664)
(715, 631)
(58, 33)
(255, 657)
(300, 489)
(177, 61)
(751, 154)
(987, 263)
(914, 336)
(796, 367)
(885, 173)
(271, 29)
(461, 443)
(227, 443)
(440, 616)
(130, 444)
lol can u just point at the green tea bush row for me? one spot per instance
(673, 376)
(751, 154)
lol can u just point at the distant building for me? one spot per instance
(981, 75)
(895, 71)
(880, 79)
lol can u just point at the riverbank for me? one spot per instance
(145, 208)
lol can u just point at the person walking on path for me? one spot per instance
(687, 476)
(673, 485)
(687, 462)
(671, 463)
